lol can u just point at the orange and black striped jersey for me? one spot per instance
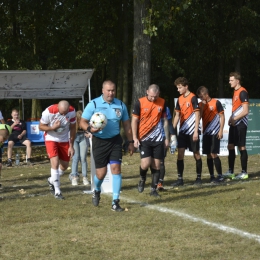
(187, 106)
(240, 97)
(210, 116)
(149, 114)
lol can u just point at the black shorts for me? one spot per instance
(152, 149)
(186, 141)
(237, 135)
(107, 151)
(15, 139)
(210, 144)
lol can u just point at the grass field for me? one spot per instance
(206, 222)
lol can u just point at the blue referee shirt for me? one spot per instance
(114, 112)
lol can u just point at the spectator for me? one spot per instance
(2, 121)
(81, 145)
(57, 121)
(18, 135)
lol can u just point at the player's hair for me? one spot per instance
(108, 82)
(14, 109)
(202, 90)
(181, 81)
(236, 75)
(155, 88)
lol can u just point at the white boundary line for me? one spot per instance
(221, 227)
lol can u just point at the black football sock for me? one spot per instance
(231, 160)
(218, 166)
(210, 166)
(180, 168)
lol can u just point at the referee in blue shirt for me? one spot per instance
(107, 143)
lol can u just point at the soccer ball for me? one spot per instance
(98, 120)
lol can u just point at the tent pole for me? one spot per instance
(89, 92)
(23, 108)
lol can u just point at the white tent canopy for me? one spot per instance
(45, 84)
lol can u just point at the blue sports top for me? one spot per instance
(114, 112)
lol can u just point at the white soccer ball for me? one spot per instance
(98, 120)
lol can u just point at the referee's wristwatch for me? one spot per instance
(131, 142)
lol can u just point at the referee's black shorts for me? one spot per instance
(210, 144)
(237, 135)
(107, 151)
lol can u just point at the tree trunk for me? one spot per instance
(125, 56)
(141, 52)
(36, 110)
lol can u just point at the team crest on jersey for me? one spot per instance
(236, 98)
(118, 112)
(188, 104)
(211, 108)
(159, 109)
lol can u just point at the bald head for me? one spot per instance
(63, 107)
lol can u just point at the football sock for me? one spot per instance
(218, 166)
(199, 168)
(143, 173)
(117, 182)
(231, 160)
(61, 172)
(55, 179)
(243, 159)
(97, 183)
(210, 166)
(162, 171)
(180, 168)
(155, 178)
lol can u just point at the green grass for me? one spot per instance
(36, 226)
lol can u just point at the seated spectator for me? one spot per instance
(18, 135)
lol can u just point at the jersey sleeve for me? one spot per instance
(195, 104)
(177, 107)
(45, 117)
(243, 97)
(136, 110)
(125, 115)
(220, 108)
(88, 111)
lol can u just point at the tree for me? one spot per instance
(141, 51)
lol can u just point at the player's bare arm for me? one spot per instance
(176, 120)
(46, 127)
(196, 130)
(134, 125)
(166, 131)
(129, 135)
(222, 122)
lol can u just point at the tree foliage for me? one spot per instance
(201, 40)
